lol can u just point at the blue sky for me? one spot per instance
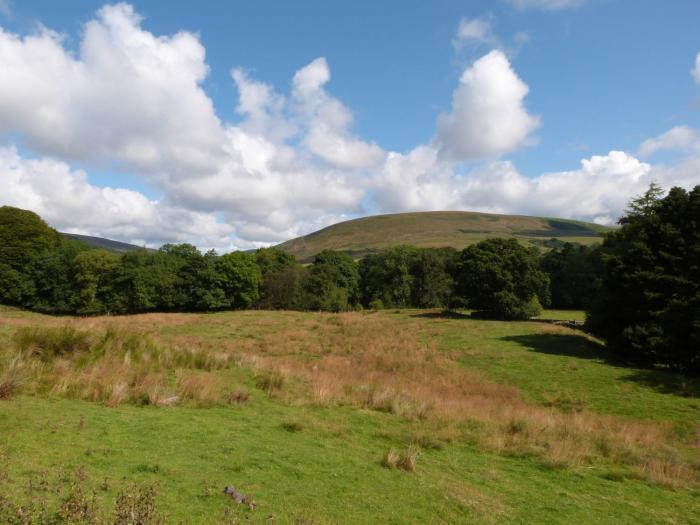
(600, 76)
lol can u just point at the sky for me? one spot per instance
(238, 124)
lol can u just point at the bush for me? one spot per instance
(376, 304)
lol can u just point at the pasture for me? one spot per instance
(402, 416)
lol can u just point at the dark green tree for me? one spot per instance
(575, 273)
(501, 279)
(282, 280)
(648, 310)
(388, 276)
(432, 272)
(333, 283)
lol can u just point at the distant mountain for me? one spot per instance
(104, 244)
(457, 229)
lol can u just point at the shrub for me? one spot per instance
(49, 342)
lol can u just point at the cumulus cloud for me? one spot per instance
(681, 138)
(550, 5)
(328, 121)
(66, 199)
(289, 165)
(488, 117)
(128, 96)
(696, 70)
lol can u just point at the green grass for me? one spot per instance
(329, 472)
(311, 464)
(437, 229)
(564, 315)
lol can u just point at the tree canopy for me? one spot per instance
(648, 310)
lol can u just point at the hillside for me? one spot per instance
(458, 229)
(104, 244)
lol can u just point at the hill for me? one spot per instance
(104, 244)
(433, 229)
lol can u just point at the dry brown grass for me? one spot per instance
(112, 366)
(355, 359)
(363, 361)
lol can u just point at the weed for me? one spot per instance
(238, 397)
(271, 382)
(292, 426)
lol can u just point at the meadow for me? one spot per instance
(393, 416)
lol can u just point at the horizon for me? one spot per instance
(240, 126)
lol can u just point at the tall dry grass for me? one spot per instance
(354, 359)
(112, 366)
(366, 362)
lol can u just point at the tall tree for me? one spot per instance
(649, 307)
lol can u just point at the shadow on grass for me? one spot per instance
(663, 381)
(445, 314)
(666, 382)
(562, 344)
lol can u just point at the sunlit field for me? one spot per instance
(385, 417)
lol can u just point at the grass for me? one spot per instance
(437, 229)
(478, 421)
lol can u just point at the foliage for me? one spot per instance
(649, 308)
(501, 279)
(333, 283)
(405, 276)
(574, 272)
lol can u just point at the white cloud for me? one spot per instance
(488, 117)
(696, 70)
(550, 5)
(67, 201)
(328, 121)
(129, 96)
(681, 138)
(475, 30)
(291, 165)
(598, 191)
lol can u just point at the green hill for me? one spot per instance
(104, 244)
(433, 229)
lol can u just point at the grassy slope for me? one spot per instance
(437, 229)
(329, 471)
(104, 244)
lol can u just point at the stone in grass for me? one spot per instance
(239, 498)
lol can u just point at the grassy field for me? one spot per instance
(386, 417)
(437, 229)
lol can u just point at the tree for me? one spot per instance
(240, 279)
(282, 279)
(388, 277)
(574, 272)
(432, 277)
(93, 277)
(501, 279)
(23, 236)
(333, 283)
(649, 307)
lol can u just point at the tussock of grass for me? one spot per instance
(404, 460)
(112, 366)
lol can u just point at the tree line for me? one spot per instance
(640, 287)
